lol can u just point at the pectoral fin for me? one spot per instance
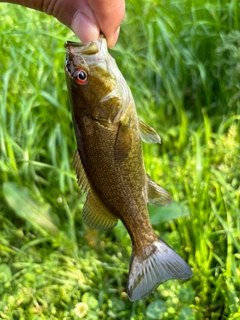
(123, 142)
(96, 215)
(81, 175)
(148, 134)
(157, 195)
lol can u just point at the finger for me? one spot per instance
(84, 28)
(111, 41)
(109, 15)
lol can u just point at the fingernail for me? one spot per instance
(112, 41)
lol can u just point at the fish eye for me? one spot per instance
(81, 76)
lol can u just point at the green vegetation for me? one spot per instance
(182, 62)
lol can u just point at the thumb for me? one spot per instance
(84, 28)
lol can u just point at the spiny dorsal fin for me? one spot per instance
(81, 175)
(148, 134)
(96, 215)
(156, 194)
(156, 264)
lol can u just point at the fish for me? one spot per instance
(109, 164)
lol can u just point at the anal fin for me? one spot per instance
(96, 215)
(157, 195)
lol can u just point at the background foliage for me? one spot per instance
(182, 62)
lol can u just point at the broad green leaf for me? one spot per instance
(28, 208)
(156, 309)
(186, 313)
(5, 272)
(187, 293)
(163, 214)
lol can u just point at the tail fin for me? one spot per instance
(157, 264)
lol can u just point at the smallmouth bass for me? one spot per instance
(109, 164)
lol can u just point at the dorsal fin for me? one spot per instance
(156, 194)
(96, 215)
(148, 134)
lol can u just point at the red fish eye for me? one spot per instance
(81, 76)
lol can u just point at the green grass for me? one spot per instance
(182, 64)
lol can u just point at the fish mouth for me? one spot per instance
(87, 48)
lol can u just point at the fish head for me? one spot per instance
(95, 83)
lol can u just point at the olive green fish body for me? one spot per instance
(109, 164)
(107, 155)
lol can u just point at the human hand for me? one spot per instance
(87, 18)
(95, 16)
